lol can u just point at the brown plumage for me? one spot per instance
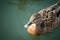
(42, 22)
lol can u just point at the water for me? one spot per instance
(14, 14)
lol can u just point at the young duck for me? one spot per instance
(42, 22)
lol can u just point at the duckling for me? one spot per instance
(44, 21)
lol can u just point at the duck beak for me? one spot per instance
(27, 25)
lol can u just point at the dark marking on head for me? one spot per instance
(29, 23)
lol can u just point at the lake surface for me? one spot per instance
(14, 14)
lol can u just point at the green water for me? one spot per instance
(14, 14)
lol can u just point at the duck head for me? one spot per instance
(35, 24)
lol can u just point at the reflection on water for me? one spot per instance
(16, 13)
(23, 3)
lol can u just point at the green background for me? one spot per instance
(14, 14)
